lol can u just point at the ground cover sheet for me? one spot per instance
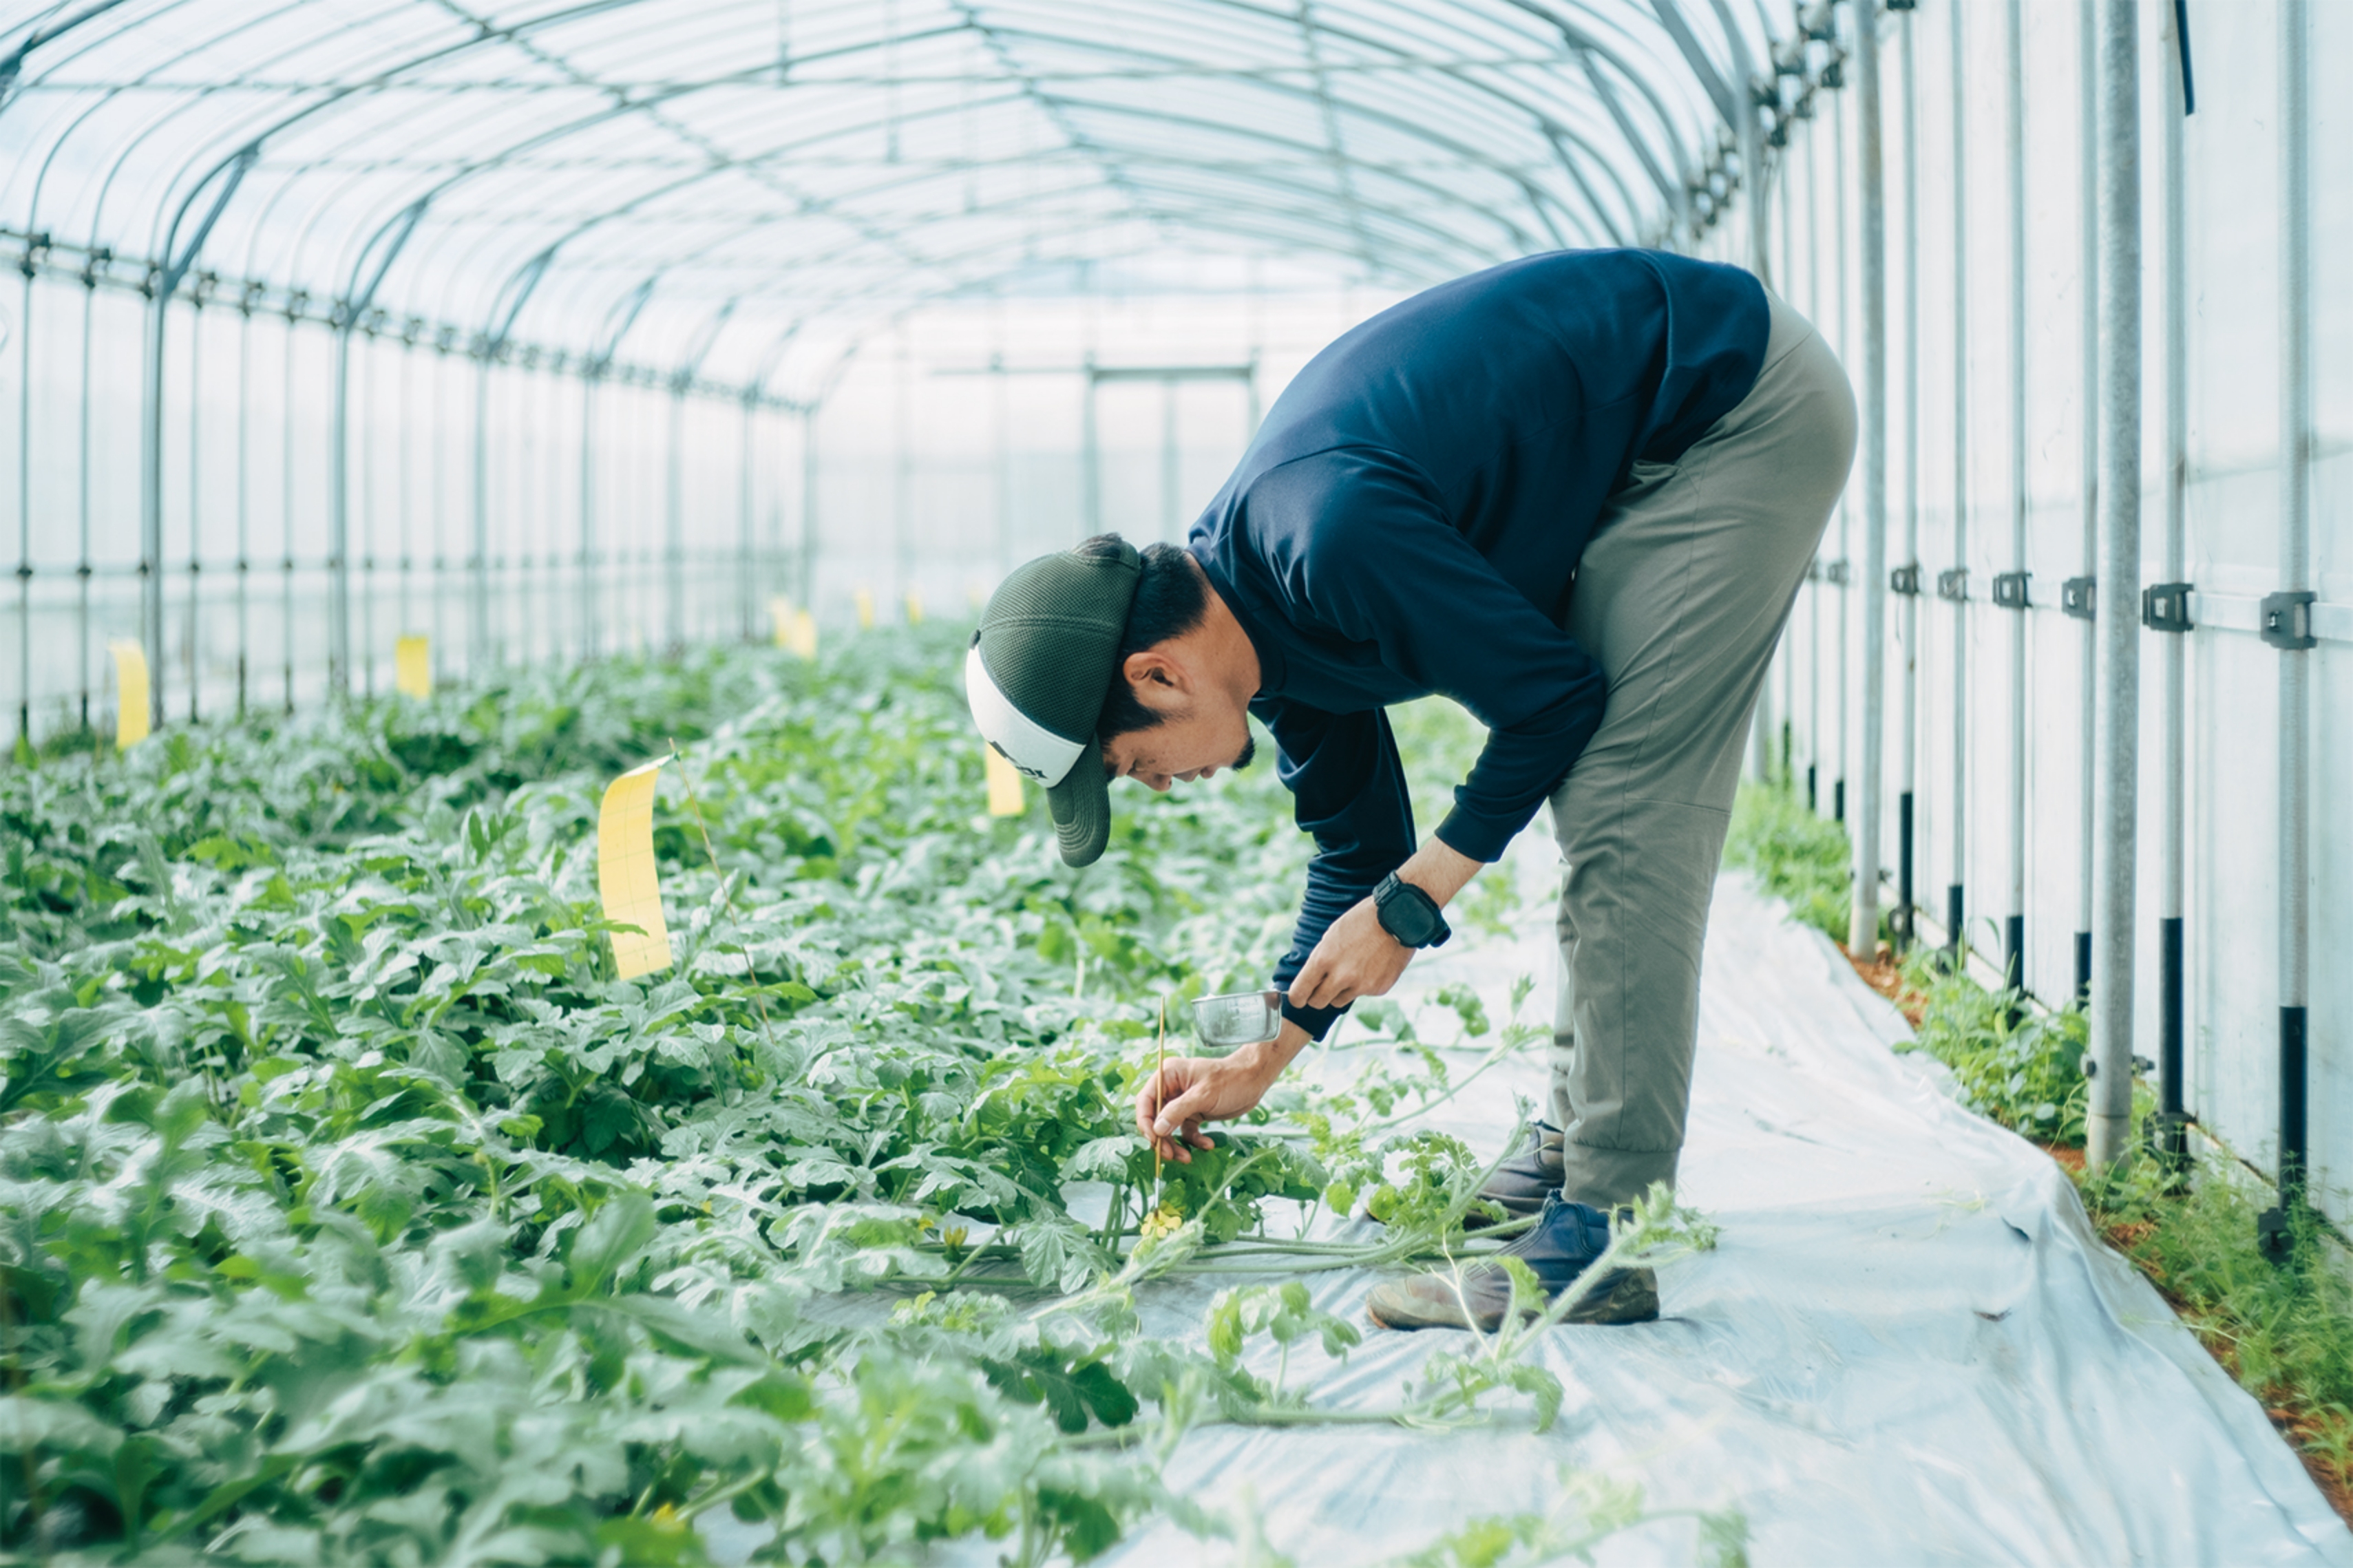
(1908, 1348)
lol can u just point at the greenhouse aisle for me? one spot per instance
(1908, 1348)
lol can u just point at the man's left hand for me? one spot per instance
(1357, 956)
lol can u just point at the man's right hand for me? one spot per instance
(1189, 1091)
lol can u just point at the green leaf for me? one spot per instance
(1086, 1526)
(619, 1228)
(1071, 1393)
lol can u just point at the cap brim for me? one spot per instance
(1081, 807)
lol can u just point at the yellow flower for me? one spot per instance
(1164, 1221)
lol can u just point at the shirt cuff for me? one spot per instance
(1483, 839)
(1316, 1021)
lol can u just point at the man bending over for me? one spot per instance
(1577, 494)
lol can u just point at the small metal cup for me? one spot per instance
(1244, 1018)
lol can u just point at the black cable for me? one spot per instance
(2181, 46)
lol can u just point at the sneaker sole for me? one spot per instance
(1633, 1300)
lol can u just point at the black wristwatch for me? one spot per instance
(1409, 914)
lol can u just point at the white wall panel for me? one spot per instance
(2231, 180)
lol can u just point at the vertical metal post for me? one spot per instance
(339, 561)
(543, 432)
(2118, 622)
(1956, 904)
(2295, 580)
(1844, 669)
(192, 642)
(286, 517)
(1171, 480)
(478, 635)
(587, 607)
(1814, 574)
(1255, 315)
(243, 493)
(371, 425)
(2014, 114)
(1908, 745)
(903, 479)
(1003, 390)
(674, 534)
(746, 545)
(1788, 646)
(1841, 598)
(1752, 186)
(82, 566)
(24, 508)
(771, 473)
(535, 508)
(151, 505)
(1862, 929)
(404, 625)
(810, 535)
(440, 403)
(1090, 461)
(2172, 1102)
(2087, 752)
(1751, 132)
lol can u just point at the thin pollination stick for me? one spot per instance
(1159, 1062)
(1162, 1220)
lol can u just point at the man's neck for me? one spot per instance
(1228, 655)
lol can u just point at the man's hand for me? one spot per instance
(1189, 1091)
(1357, 956)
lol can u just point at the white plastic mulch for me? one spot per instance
(1909, 1347)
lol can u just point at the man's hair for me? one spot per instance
(1170, 601)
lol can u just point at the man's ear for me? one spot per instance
(1160, 682)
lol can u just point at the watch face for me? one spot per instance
(1406, 917)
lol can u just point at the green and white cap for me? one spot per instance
(1036, 674)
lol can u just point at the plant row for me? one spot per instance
(351, 1210)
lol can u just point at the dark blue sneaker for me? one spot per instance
(1563, 1242)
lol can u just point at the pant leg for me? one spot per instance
(1680, 597)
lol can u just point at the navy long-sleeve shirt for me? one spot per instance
(1410, 517)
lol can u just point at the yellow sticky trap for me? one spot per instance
(804, 636)
(412, 666)
(626, 877)
(864, 599)
(129, 694)
(780, 620)
(972, 593)
(914, 608)
(1004, 784)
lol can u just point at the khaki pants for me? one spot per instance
(1680, 597)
